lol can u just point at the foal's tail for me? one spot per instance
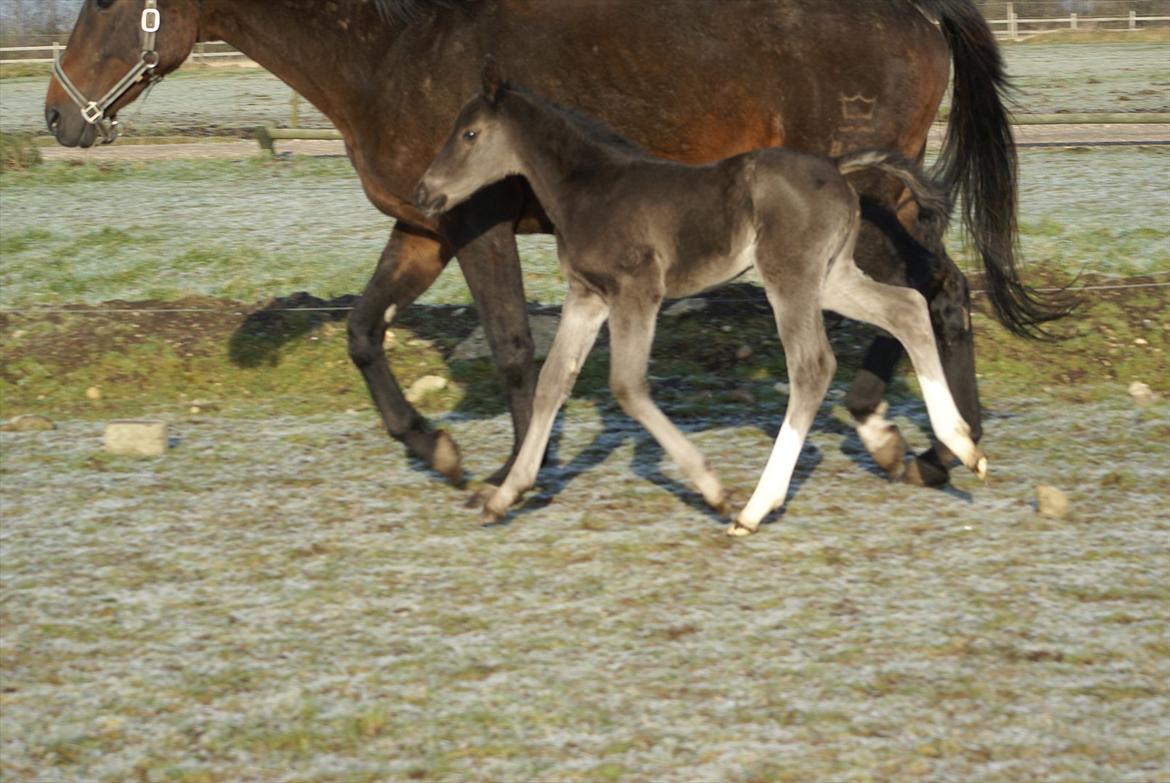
(934, 205)
(978, 164)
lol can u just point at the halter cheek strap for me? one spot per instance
(94, 112)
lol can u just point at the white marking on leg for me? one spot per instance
(882, 439)
(391, 311)
(773, 485)
(948, 423)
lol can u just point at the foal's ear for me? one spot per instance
(493, 80)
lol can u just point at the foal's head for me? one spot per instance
(476, 154)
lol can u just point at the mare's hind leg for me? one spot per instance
(903, 313)
(631, 335)
(581, 318)
(811, 365)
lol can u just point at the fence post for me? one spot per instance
(1132, 19)
(1072, 21)
(296, 110)
(56, 50)
(1013, 24)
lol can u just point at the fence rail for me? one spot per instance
(203, 52)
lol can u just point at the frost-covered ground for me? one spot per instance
(287, 598)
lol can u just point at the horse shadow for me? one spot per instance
(706, 349)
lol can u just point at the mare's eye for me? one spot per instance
(104, 4)
(470, 135)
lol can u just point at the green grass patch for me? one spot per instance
(18, 152)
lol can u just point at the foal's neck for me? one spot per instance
(328, 56)
(554, 149)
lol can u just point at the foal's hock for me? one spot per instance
(633, 229)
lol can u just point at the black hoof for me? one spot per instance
(926, 470)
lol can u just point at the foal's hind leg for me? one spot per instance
(581, 318)
(811, 365)
(903, 313)
(631, 334)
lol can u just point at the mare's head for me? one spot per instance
(478, 152)
(117, 48)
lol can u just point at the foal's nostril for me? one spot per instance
(420, 195)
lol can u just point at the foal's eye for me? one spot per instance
(104, 4)
(470, 135)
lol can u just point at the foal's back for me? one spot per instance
(695, 227)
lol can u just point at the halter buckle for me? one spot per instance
(151, 20)
(92, 113)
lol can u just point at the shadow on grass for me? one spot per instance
(720, 387)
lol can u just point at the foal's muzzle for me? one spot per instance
(430, 205)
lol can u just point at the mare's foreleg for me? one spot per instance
(491, 267)
(408, 266)
(631, 336)
(811, 365)
(581, 318)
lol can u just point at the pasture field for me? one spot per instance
(284, 596)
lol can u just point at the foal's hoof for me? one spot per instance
(481, 495)
(981, 467)
(739, 531)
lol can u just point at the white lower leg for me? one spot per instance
(773, 485)
(949, 426)
(882, 439)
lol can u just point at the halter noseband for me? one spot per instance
(94, 112)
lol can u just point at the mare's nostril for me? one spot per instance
(420, 195)
(52, 119)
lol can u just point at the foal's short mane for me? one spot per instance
(590, 128)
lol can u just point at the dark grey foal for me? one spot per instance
(633, 229)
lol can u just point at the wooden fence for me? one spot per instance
(208, 51)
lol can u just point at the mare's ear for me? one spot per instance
(493, 80)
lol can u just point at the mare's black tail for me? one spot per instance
(978, 164)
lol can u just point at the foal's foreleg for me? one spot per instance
(581, 318)
(903, 313)
(811, 365)
(631, 335)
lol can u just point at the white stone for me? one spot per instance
(136, 438)
(685, 307)
(424, 386)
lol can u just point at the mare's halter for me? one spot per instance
(94, 112)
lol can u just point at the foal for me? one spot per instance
(633, 229)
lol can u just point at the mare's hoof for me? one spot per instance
(883, 440)
(739, 531)
(438, 450)
(926, 471)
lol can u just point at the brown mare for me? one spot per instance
(690, 80)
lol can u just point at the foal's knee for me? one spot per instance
(627, 392)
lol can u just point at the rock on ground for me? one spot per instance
(29, 422)
(132, 438)
(1051, 502)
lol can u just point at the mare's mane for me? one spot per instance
(406, 11)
